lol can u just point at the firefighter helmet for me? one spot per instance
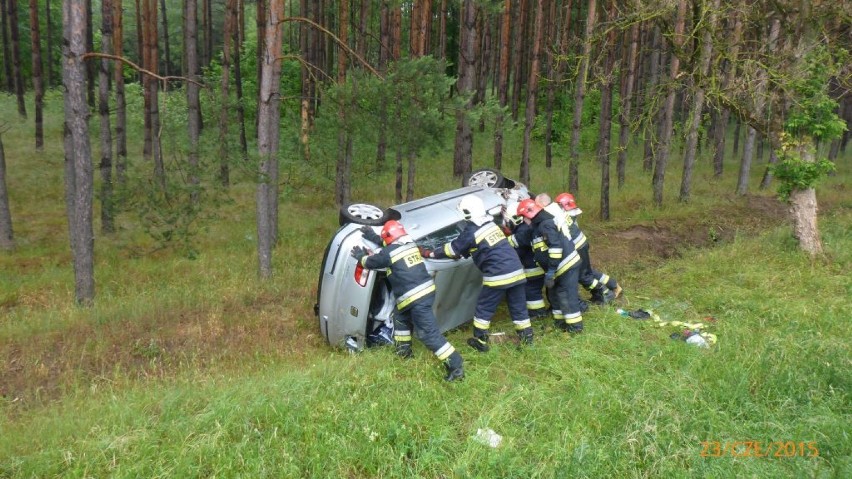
(566, 200)
(471, 207)
(528, 208)
(392, 231)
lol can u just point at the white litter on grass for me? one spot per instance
(488, 437)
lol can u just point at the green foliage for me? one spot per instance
(794, 173)
(813, 113)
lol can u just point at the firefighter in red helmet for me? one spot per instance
(603, 287)
(415, 293)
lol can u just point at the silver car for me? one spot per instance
(355, 306)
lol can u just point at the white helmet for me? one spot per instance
(471, 207)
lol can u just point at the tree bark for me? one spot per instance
(7, 53)
(650, 99)
(804, 210)
(721, 130)
(605, 125)
(532, 91)
(38, 80)
(16, 57)
(78, 151)
(558, 72)
(224, 93)
(193, 123)
(91, 67)
(167, 60)
(463, 159)
(120, 101)
(628, 79)
(668, 110)
(579, 95)
(502, 82)
(269, 113)
(697, 107)
(518, 56)
(7, 237)
(105, 166)
(759, 104)
(342, 182)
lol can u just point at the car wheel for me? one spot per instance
(485, 177)
(362, 214)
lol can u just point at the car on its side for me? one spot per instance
(355, 306)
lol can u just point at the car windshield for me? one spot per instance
(437, 239)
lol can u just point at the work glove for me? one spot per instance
(358, 253)
(370, 235)
(426, 253)
(549, 278)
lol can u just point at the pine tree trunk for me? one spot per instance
(193, 124)
(7, 53)
(698, 100)
(384, 54)
(409, 187)
(269, 114)
(804, 209)
(362, 41)
(224, 93)
(759, 104)
(463, 159)
(140, 50)
(207, 26)
(558, 70)
(518, 56)
(307, 49)
(79, 186)
(152, 106)
(105, 166)
(629, 74)
(38, 81)
(91, 67)
(651, 92)
(579, 95)
(7, 237)
(605, 126)
(16, 57)
(502, 81)
(442, 31)
(532, 91)
(120, 101)
(167, 63)
(668, 109)
(343, 186)
(49, 53)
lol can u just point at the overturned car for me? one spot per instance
(355, 306)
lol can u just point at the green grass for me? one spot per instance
(194, 368)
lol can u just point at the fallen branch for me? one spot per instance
(140, 69)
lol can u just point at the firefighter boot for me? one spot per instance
(598, 294)
(479, 341)
(403, 349)
(526, 336)
(455, 370)
(575, 328)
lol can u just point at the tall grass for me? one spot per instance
(194, 368)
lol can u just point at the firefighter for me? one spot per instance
(603, 287)
(502, 272)
(563, 267)
(520, 236)
(415, 293)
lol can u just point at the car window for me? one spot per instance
(437, 239)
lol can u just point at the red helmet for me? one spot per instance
(567, 201)
(528, 208)
(392, 231)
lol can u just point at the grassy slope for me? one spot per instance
(193, 368)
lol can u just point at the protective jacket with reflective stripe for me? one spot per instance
(532, 259)
(406, 272)
(560, 249)
(493, 255)
(576, 233)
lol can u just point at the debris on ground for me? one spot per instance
(692, 333)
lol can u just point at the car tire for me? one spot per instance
(363, 214)
(484, 177)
